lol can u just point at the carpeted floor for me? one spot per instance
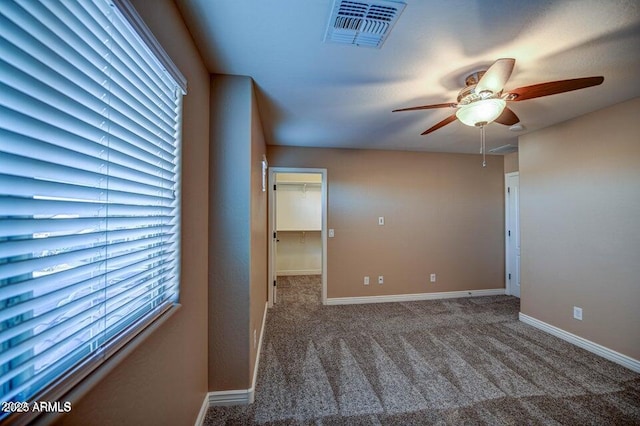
(445, 362)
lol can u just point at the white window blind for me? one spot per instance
(90, 123)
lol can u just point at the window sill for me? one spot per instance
(99, 372)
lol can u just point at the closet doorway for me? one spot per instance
(297, 225)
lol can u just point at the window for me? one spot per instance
(90, 123)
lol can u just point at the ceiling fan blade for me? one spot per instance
(508, 118)
(434, 106)
(443, 123)
(496, 76)
(552, 88)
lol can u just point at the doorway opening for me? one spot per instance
(297, 226)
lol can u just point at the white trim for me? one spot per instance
(271, 269)
(507, 248)
(257, 364)
(202, 414)
(272, 273)
(414, 297)
(604, 352)
(240, 396)
(299, 272)
(325, 189)
(230, 397)
(140, 27)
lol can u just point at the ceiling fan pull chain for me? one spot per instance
(482, 147)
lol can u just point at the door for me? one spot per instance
(272, 294)
(512, 233)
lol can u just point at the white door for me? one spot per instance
(512, 231)
(272, 294)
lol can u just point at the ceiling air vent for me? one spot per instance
(362, 23)
(504, 149)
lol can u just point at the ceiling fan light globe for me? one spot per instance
(483, 111)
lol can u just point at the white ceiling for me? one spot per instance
(312, 93)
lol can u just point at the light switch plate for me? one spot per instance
(577, 313)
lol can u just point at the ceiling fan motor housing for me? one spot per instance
(468, 93)
(473, 78)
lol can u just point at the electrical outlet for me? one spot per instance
(332, 233)
(577, 313)
(366, 280)
(381, 220)
(432, 278)
(380, 279)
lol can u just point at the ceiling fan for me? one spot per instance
(483, 100)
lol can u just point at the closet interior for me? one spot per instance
(299, 224)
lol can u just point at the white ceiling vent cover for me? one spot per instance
(504, 149)
(362, 23)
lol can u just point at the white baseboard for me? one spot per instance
(299, 272)
(413, 297)
(604, 352)
(252, 390)
(238, 396)
(231, 397)
(203, 411)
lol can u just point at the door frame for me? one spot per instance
(272, 226)
(507, 243)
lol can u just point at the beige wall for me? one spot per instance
(164, 381)
(299, 253)
(238, 242)
(444, 214)
(580, 226)
(511, 162)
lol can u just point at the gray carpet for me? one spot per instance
(446, 362)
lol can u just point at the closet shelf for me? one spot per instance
(299, 183)
(302, 185)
